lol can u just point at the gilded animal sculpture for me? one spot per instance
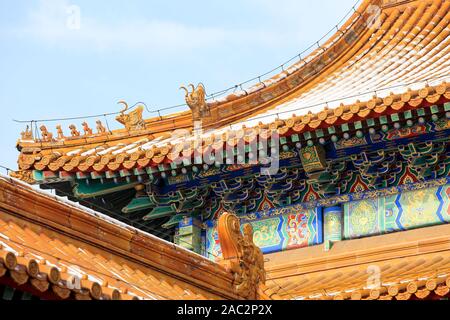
(196, 100)
(241, 256)
(59, 132)
(86, 129)
(100, 128)
(133, 120)
(46, 135)
(73, 131)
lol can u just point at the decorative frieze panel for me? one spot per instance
(398, 212)
(276, 230)
(333, 226)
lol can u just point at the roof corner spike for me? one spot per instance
(196, 100)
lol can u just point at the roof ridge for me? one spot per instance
(88, 226)
(397, 3)
(91, 212)
(152, 155)
(183, 120)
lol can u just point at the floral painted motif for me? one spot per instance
(419, 208)
(277, 230)
(442, 124)
(406, 132)
(410, 209)
(265, 232)
(213, 251)
(350, 143)
(361, 218)
(297, 230)
(332, 224)
(402, 133)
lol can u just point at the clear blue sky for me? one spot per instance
(140, 50)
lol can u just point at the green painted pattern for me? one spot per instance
(399, 212)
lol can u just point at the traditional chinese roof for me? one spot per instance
(46, 241)
(411, 265)
(152, 153)
(390, 56)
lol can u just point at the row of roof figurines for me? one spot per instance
(47, 136)
(196, 100)
(132, 121)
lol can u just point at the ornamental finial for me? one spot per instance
(133, 120)
(196, 100)
(241, 256)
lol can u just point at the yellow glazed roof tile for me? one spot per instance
(50, 256)
(413, 264)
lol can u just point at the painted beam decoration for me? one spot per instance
(399, 212)
(366, 167)
(313, 158)
(351, 169)
(276, 230)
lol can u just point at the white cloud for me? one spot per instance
(51, 21)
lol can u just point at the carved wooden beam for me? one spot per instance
(241, 256)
